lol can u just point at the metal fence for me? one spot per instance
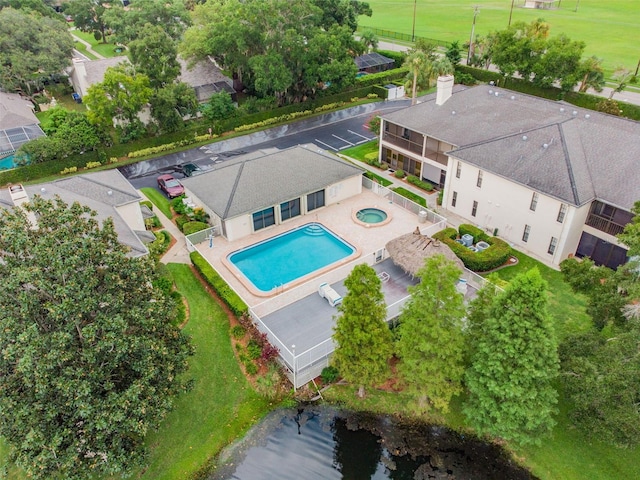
(405, 37)
(199, 237)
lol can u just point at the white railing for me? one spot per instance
(198, 237)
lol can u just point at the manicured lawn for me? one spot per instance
(82, 48)
(219, 409)
(360, 151)
(159, 200)
(609, 29)
(107, 50)
(566, 307)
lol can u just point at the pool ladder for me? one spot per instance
(314, 230)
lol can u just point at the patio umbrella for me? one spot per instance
(409, 251)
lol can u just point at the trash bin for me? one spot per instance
(422, 216)
(77, 98)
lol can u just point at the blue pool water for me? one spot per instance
(289, 256)
(7, 163)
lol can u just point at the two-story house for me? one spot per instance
(552, 179)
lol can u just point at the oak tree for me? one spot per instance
(89, 357)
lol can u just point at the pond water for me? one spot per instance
(319, 443)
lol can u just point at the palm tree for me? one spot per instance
(419, 67)
(593, 74)
(369, 40)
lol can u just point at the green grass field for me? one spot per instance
(610, 29)
(107, 50)
(159, 200)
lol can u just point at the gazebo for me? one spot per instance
(409, 251)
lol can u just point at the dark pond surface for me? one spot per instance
(322, 443)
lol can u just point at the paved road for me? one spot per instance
(332, 132)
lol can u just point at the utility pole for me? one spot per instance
(476, 10)
(511, 12)
(413, 30)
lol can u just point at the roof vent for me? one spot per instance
(490, 92)
(575, 112)
(561, 109)
(545, 145)
(524, 137)
(43, 189)
(496, 94)
(587, 116)
(513, 97)
(453, 112)
(109, 192)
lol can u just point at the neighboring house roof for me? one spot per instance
(85, 73)
(374, 59)
(589, 154)
(18, 123)
(259, 180)
(102, 191)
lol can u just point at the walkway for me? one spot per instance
(86, 44)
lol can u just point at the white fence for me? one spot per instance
(199, 237)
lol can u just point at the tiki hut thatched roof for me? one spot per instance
(409, 251)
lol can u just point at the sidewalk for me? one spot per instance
(86, 44)
(178, 253)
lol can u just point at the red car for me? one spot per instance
(169, 185)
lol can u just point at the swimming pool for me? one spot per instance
(290, 256)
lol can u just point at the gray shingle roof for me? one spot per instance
(92, 190)
(260, 180)
(15, 111)
(590, 154)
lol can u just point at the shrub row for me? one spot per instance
(397, 57)
(193, 227)
(228, 296)
(381, 180)
(413, 180)
(160, 245)
(170, 146)
(382, 78)
(410, 195)
(494, 256)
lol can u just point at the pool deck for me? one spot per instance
(337, 218)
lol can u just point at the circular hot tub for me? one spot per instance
(371, 217)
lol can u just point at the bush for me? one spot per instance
(147, 204)
(152, 222)
(377, 178)
(251, 367)
(228, 296)
(91, 165)
(399, 174)
(397, 57)
(412, 179)
(193, 227)
(464, 78)
(254, 349)
(68, 170)
(410, 195)
(238, 332)
(382, 78)
(329, 374)
(440, 197)
(269, 352)
(160, 245)
(477, 233)
(497, 254)
(181, 220)
(181, 310)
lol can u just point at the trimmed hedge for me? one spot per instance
(397, 57)
(497, 254)
(480, 74)
(413, 180)
(410, 195)
(381, 180)
(382, 77)
(181, 220)
(228, 296)
(160, 245)
(477, 233)
(193, 227)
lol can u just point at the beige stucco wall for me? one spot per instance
(132, 215)
(504, 205)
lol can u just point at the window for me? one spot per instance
(479, 181)
(315, 200)
(290, 209)
(562, 212)
(474, 210)
(386, 125)
(454, 199)
(405, 133)
(525, 234)
(458, 169)
(552, 245)
(263, 219)
(534, 202)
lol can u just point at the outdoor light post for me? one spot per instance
(511, 12)
(476, 10)
(413, 31)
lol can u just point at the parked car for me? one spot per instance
(169, 185)
(188, 169)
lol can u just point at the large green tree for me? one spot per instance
(89, 16)
(517, 49)
(363, 339)
(342, 12)
(514, 364)
(89, 358)
(274, 47)
(601, 377)
(560, 63)
(169, 105)
(430, 341)
(32, 48)
(155, 55)
(629, 273)
(119, 97)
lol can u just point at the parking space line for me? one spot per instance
(365, 140)
(341, 139)
(327, 145)
(356, 133)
